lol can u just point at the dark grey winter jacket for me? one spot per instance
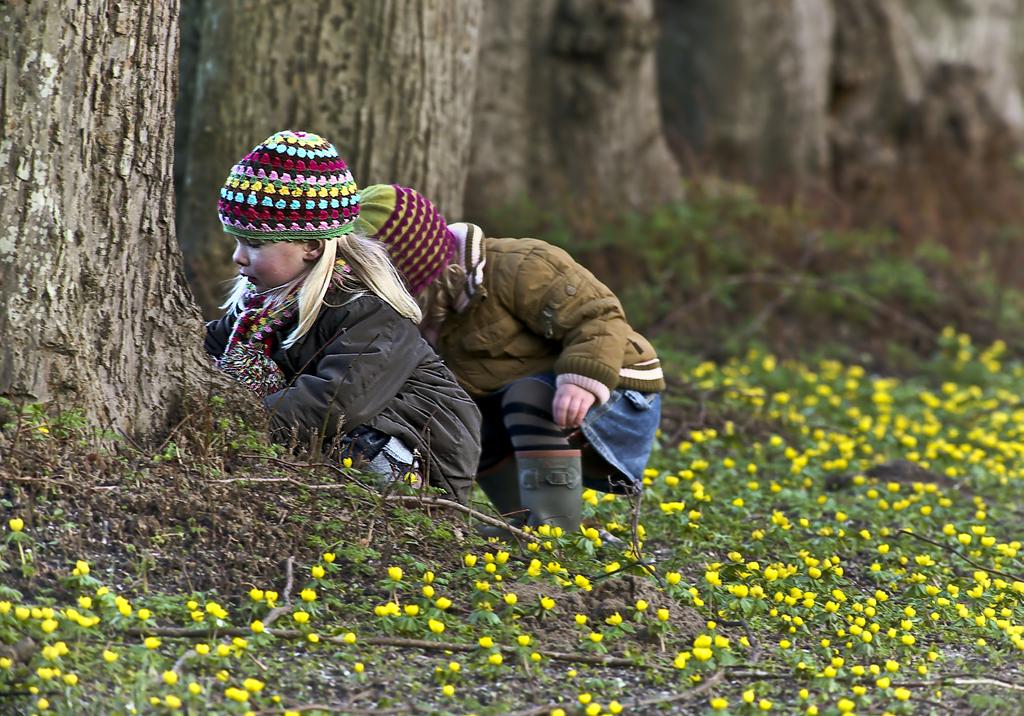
(362, 363)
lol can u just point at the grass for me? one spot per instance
(814, 538)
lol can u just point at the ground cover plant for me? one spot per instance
(814, 538)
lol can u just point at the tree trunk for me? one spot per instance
(94, 310)
(745, 85)
(567, 115)
(389, 82)
(927, 117)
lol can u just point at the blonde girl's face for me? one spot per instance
(269, 264)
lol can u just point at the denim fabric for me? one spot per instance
(394, 461)
(620, 432)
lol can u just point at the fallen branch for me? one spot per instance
(329, 708)
(947, 548)
(341, 709)
(206, 633)
(441, 502)
(963, 681)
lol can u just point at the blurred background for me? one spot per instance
(840, 176)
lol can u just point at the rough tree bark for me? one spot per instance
(745, 85)
(390, 82)
(94, 310)
(566, 114)
(917, 79)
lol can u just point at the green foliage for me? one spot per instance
(723, 270)
(814, 538)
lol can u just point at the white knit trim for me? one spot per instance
(649, 374)
(599, 389)
(473, 259)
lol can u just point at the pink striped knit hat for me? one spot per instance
(292, 186)
(416, 235)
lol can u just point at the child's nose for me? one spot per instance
(239, 256)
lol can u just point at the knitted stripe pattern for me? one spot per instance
(418, 239)
(246, 357)
(292, 187)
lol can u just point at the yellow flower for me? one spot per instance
(436, 626)
(547, 603)
(317, 571)
(495, 659)
(395, 574)
(239, 695)
(172, 702)
(16, 524)
(152, 642)
(469, 560)
(448, 690)
(194, 688)
(486, 642)
(901, 694)
(308, 595)
(170, 677)
(257, 627)
(359, 667)
(253, 685)
(202, 649)
(301, 617)
(719, 703)
(443, 603)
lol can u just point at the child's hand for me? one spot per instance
(571, 405)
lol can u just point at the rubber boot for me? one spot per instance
(501, 485)
(551, 487)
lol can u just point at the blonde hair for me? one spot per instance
(370, 270)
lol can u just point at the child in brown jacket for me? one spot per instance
(569, 392)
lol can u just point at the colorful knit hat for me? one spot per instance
(293, 186)
(415, 233)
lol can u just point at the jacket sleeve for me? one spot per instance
(369, 353)
(559, 299)
(217, 333)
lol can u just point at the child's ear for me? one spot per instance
(314, 249)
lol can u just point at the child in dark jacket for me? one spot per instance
(321, 328)
(566, 387)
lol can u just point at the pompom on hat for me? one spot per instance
(292, 186)
(417, 237)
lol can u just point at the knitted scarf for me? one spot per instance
(254, 337)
